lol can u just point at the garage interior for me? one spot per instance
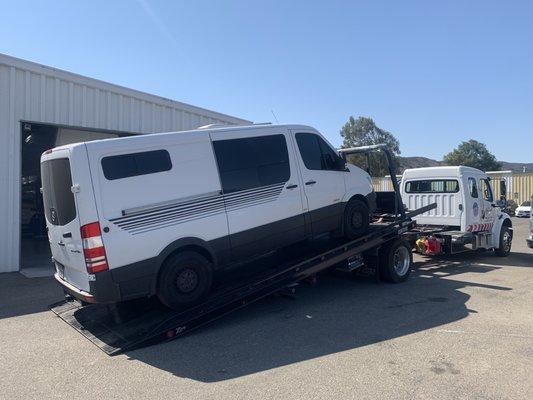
(35, 139)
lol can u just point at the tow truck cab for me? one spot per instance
(466, 205)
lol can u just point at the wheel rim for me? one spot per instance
(187, 280)
(402, 260)
(357, 219)
(506, 241)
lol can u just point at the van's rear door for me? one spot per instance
(60, 184)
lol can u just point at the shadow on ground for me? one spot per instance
(336, 315)
(20, 295)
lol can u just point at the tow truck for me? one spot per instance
(381, 253)
(467, 217)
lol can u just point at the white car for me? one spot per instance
(524, 210)
(161, 214)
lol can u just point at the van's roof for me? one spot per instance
(439, 171)
(193, 132)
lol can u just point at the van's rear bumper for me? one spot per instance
(119, 284)
(74, 291)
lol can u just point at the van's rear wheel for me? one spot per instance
(356, 219)
(184, 280)
(395, 259)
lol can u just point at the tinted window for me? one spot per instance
(432, 186)
(486, 191)
(59, 206)
(472, 187)
(252, 162)
(317, 154)
(127, 165)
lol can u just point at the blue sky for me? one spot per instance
(433, 73)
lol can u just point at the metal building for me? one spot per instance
(44, 107)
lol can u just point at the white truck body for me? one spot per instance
(464, 197)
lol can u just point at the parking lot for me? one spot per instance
(460, 328)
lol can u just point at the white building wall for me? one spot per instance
(36, 93)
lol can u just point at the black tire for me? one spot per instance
(356, 219)
(506, 241)
(184, 280)
(395, 261)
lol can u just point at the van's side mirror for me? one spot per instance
(341, 165)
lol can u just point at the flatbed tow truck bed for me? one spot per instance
(143, 323)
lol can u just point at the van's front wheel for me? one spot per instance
(356, 219)
(184, 280)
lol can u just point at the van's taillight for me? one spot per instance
(93, 248)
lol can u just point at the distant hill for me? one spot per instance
(516, 167)
(420, 162)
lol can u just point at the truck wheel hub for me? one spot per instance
(402, 260)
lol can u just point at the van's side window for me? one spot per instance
(473, 187)
(316, 153)
(486, 191)
(252, 162)
(127, 165)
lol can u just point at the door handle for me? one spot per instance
(61, 243)
(67, 234)
(310, 182)
(291, 186)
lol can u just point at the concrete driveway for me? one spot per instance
(460, 328)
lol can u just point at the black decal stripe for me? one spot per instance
(255, 190)
(170, 223)
(197, 210)
(205, 213)
(252, 195)
(168, 209)
(179, 213)
(250, 200)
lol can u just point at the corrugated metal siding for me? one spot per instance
(384, 184)
(33, 92)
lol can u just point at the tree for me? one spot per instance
(473, 154)
(363, 132)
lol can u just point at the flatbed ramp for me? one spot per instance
(144, 323)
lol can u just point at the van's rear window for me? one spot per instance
(432, 186)
(59, 206)
(134, 164)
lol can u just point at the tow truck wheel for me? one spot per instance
(356, 219)
(395, 261)
(506, 240)
(185, 279)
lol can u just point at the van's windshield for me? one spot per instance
(59, 206)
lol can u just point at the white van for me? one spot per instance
(160, 214)
(466, 205)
